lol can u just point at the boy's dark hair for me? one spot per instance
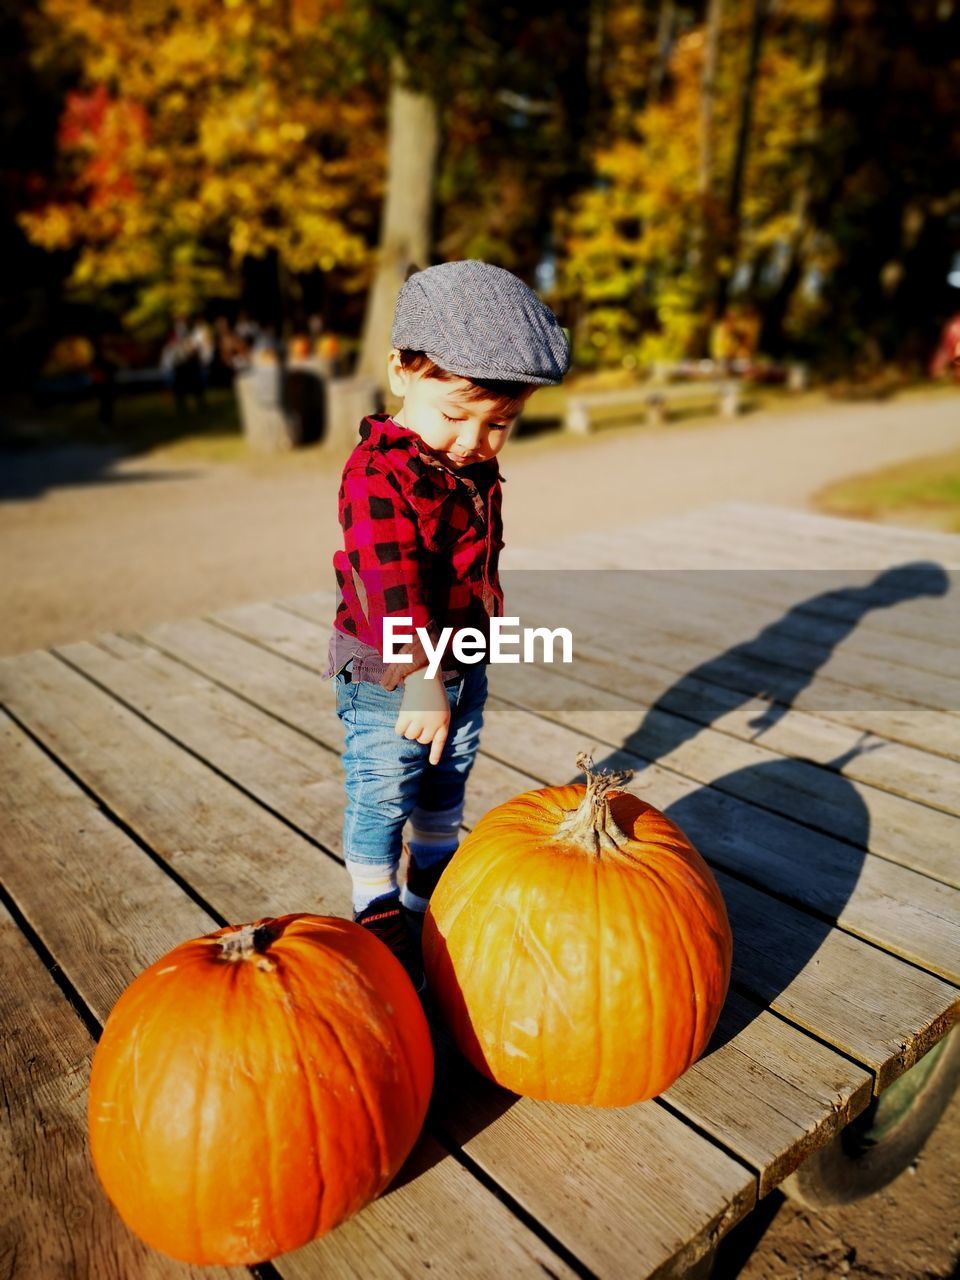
(509, 397)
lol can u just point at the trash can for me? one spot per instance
(304, 399)
(264, 423)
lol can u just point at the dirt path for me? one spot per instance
(90, 541)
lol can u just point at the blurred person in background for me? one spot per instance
(229, 354)
(103, 372)
(180, 361)
(201, 335)
(246, 329)
(945, 362)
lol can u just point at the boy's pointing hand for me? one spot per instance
(424, 713)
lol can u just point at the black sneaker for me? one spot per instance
(385, 919)
(422, 881)
(413, 920)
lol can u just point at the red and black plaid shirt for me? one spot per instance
(421, 541)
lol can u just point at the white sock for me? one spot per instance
(370, 881)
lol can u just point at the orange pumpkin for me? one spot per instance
(578, 945)
(257, 1086)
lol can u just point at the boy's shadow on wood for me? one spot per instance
(784, 884)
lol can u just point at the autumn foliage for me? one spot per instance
(204, 135)
(674, 165)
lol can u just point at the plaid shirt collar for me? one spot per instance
(383, 433)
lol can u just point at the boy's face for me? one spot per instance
(459, 431)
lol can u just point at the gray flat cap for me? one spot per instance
(482, 322)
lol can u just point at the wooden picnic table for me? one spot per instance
(159, 785)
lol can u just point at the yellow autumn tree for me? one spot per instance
(648, 245)
(204, 132)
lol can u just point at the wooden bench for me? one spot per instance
(157, 785)
(584, 408)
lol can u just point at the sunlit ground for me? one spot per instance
(147, 424)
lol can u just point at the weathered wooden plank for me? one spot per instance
(857, 998)
(760, 1084)
(892, 906)
(808, 611)
(780, 538)
(727, 1189)
(712, 537)
(796, 1084)
(448, 1223)
(806, 607)
(923, 1014)
(699, 540)
(769, 560)
(816, 538)
(774, 668)
(807, 792)
(131, 914)
(290, 634)
(318, 605)
(727, 675)
(83, 885)
(221, 841)
(56, 1220)
(766, 556)
(558, 1147)
(637, 608)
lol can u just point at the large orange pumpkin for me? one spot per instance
(257, 1086)
(578, 945)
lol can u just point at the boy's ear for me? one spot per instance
(396, 374)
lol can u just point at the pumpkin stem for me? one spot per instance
(247, 941)
(592, 823)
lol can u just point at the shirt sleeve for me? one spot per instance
(383, 553)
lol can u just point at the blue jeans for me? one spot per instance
(388, 777)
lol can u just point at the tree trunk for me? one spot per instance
(708, 94)
(664, 43)
(596, 19)
(735, 194)
(412, 142)
(705, 240)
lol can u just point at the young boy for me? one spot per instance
(420, 510)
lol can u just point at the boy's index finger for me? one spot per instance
(439, 741)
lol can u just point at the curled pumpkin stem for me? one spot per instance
(591, 823)
(247, 941)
